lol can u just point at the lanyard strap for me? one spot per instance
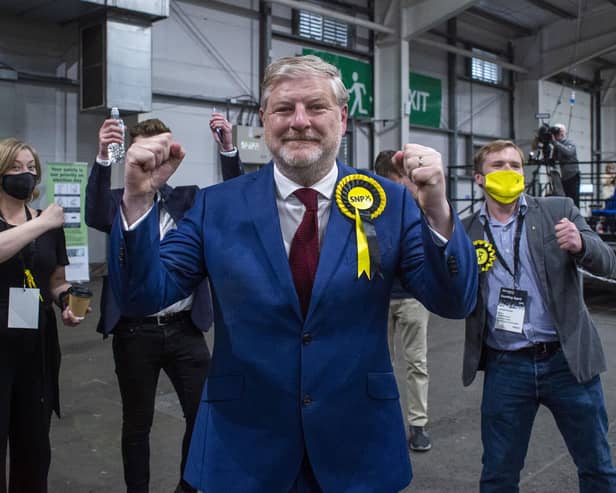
(26, 256)
(516, 247)
(28, 263)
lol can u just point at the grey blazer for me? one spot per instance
(560, 287)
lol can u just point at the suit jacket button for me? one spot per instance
(452, 264)
(306, 338)
(307, 400)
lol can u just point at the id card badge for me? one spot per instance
(510, 310)
(24, 308)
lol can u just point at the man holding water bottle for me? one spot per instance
(170, 340)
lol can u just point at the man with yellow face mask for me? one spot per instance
(531, 332)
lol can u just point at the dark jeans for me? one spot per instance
(514, 386)
(571, 187)
(140, 352)
(25, 417)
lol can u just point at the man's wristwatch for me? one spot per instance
(103, 162)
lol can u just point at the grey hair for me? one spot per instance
(295, 67)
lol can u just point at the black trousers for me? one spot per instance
(25, 415)
(571, 188)
(141, 351)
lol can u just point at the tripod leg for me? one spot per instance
(557, 185)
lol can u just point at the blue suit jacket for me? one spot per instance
(272, 391)
(102, 205)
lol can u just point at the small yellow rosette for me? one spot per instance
(486, 255)
(361, 198)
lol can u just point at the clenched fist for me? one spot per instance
(424, 167)
(568, 236)
(52, 216)
(149, 163)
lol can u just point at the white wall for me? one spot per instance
(222, 60)
(483, 110)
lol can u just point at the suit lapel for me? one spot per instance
(534, 238)
(334, 244)
(476, 232)
(267, 224)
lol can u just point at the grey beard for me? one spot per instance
(309, 171)
(306, 173)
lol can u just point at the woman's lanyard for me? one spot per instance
(516, 248)
(27, 259)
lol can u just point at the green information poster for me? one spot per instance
(426, 97)
(357, 78)
(66, 186)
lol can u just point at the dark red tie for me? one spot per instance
(304, 254)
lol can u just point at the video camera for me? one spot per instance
(544, 157)
(545, 132)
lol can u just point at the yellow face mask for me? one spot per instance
(504, 186)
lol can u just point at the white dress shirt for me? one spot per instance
(166, 224)
(291, 209)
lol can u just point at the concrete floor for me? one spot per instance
(86, 441)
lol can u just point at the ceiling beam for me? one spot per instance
(470, 54)
(349, 19)
(561, 60)
(548, 7)
(420, 16)
(523, 30)
(608, 88)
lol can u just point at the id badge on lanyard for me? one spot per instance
(512, 302)
(24, 308)
(511, 310)
(24, 302)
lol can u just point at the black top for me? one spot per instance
(47, 252)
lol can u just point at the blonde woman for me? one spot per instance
(32, 260)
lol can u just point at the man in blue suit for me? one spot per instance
(170, 339)
(300, 257)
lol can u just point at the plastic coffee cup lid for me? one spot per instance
(80, 291)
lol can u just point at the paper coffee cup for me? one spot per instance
(79, 300)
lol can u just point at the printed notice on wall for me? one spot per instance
(66, 186)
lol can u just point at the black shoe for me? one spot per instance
(419, 440)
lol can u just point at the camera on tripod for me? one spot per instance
(545, 132)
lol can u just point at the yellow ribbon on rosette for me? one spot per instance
(362, 199)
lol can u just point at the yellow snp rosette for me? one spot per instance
(362, 199)
(486, 255)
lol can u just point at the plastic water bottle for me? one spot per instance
(114, 150)
(572, 98)
(218, 129)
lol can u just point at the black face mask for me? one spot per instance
(19, 186)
